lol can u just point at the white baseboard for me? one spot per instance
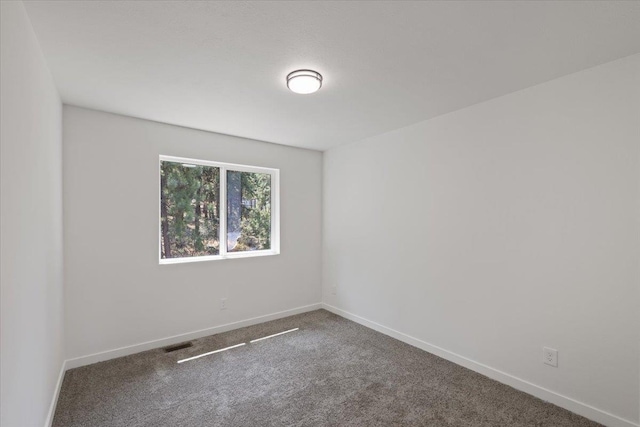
(565, 402)
(56, 393)
(163, 342)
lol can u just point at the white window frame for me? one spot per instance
(223, 254)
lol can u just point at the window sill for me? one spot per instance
(232, 255)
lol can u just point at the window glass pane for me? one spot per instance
(189, 210)
(248, 211)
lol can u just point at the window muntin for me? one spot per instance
(194, 194)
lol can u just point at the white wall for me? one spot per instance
(116, 293)
(502, 228)
(32, 343)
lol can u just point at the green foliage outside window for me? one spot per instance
(256, 216)
(190, 211)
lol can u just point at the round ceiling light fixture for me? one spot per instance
(304, 81)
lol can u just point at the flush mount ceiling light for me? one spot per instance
(304, 81)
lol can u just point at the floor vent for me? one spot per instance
(178, 347)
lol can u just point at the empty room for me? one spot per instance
(320, 213)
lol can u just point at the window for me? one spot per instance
(200, 201)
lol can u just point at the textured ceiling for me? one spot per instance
(220, 66)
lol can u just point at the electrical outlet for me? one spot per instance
(333, 290)
(223, 304)
(550, 356)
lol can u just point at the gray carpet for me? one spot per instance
(331, 372)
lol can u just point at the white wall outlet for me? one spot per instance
(223, 304)
(333, 290)
(550, 356)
